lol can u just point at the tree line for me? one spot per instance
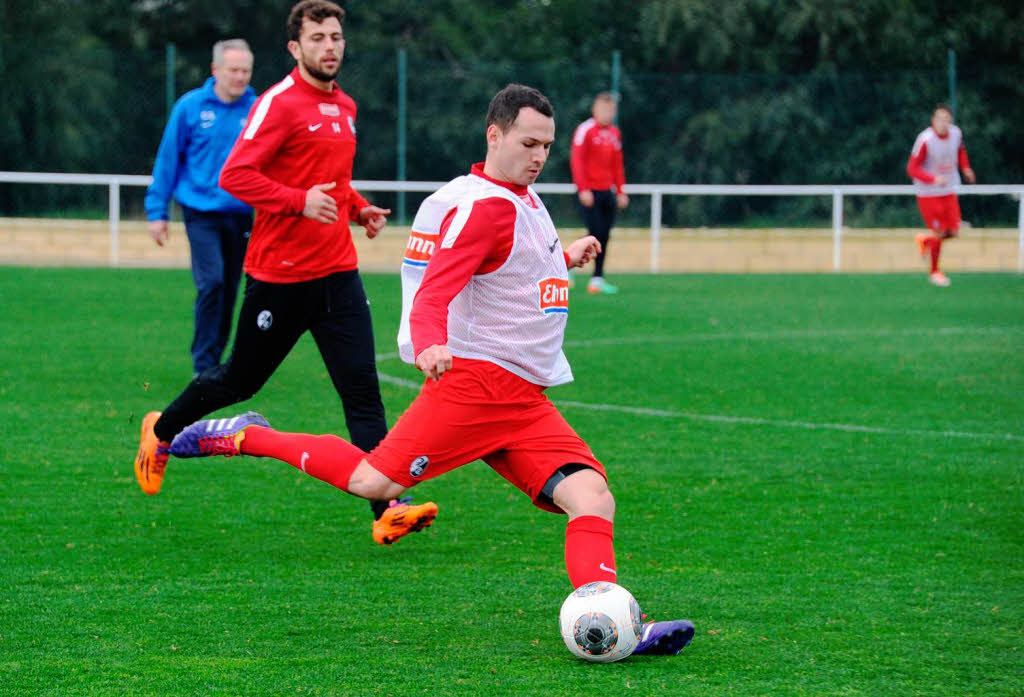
(741, 91)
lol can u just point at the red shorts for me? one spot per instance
(478, 410)
(940, 213)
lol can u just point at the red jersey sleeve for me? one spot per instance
(961, 157)
(618, 168)
(474, 240)
(577, 159)
(915, 165)
(356, 203)
(242, 175)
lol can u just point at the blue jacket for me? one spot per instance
(196, 142)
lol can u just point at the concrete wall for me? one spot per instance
(55, 242)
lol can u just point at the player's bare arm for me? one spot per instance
(582, 251)
(586, 198)
(434, 361)
(373, 219)
(969, 175)
(320, 205)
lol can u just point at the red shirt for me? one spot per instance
(482, 246)
(596, 158)
(297, 136)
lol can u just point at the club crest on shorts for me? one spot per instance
(419, 466)
(264, 320)
(419, 249)
(554, 295)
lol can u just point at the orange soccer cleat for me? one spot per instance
(922, 243)
(401, 518)
(151, 459)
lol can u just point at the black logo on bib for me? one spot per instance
(419, 466)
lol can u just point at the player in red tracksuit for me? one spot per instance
(293, 164)
(935, 164)
(597, 172)
(486, 324)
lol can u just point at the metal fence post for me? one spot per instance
(837, 230)
(1020, 233)
(655, 229)
(951, 57)
(114, 201)
(169, 61)
(616, 72)
(401, 146)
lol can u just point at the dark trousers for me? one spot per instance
(599, 219)
(218, 242)
(273, 317)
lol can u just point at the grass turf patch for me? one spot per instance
(814, 556)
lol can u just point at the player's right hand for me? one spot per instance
(158, 231)
(434, 361)
(321, 206)
(939, 180)
(587, 198)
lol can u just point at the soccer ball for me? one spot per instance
(600, 622)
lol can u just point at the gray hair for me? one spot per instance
(228, 45)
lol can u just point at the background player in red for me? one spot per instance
(486, 328)
(935, 164)
(597, 172)
(293, 164)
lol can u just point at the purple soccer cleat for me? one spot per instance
(664, 638)
(214, 436)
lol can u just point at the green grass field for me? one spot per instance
(825, 473)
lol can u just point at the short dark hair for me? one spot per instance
(314, 11)
(945, 107)
(505, 106)
(606, 97)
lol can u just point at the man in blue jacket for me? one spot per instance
(200, 133)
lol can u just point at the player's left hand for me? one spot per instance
(969, 176)
(373, 219)
(621, 199)
(582, 251)
(434, 361)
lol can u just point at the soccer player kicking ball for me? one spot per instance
(485, 304)
(935, 163)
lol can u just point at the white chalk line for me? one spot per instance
(782, 423)
(789, 334)
(757, 421)
(751, 420)
(400, 382)
(769, 335)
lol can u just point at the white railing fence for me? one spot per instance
(657, 192)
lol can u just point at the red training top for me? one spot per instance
(297, 136)
(596, 158)
(483, 245)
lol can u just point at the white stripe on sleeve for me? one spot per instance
(264, 107)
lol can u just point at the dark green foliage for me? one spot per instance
(750, 91)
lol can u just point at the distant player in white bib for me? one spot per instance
(485, 304)
(935, 164)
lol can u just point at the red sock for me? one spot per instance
(328, 458)
(935, 246)
(589, 552)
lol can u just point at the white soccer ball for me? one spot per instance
(600, 622)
